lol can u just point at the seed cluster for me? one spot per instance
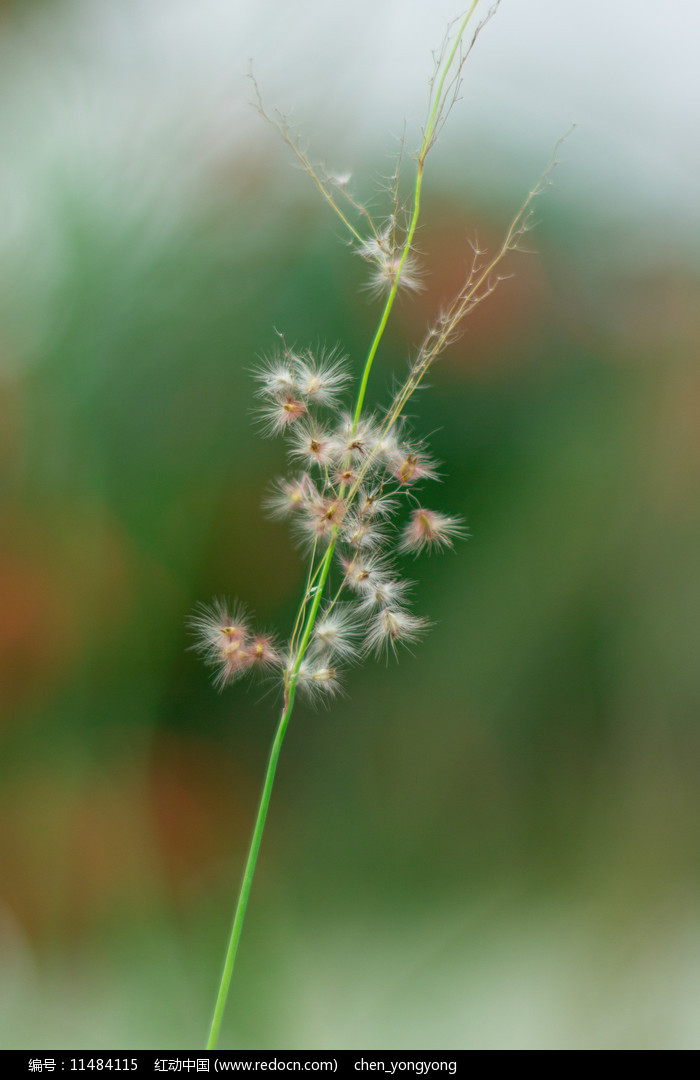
(352, 488)
(224, 637)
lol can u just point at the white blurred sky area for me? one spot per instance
(106, 89)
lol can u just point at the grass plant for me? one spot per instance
(354, 491)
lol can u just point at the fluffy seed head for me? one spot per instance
(322, 380)
(363, 533)
(385, 594)
(345, 475)
(277, 377)
(284, 410)
(289, 495)
(386, 270)
(318, 680)
(222, 638)
(336, 633)
(374, 504)
(386, 258)
(386, 447)
(428, 529)
(390, 628)
(217, 624)
(356, 440)
(364, 572)
(319, 519)
(313, 445)
(263, 653)
(410, 467)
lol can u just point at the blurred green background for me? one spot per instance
(492, 845)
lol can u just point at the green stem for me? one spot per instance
(239, 916)
(259, 827)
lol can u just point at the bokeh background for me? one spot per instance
(494, 844)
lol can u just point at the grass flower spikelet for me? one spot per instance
(429, 529)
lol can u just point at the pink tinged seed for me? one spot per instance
(390, 628)
(289, 496)
(263, 653)
(413, 467)
(313, 445)
(280, 414)
(429, 529)
(321, 381)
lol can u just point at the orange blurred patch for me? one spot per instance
(64, 579)
(79, 847)
(199, 803)
(37, 630)
(72, 847)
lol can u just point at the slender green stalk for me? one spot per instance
(259, 827)
(247, 883)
